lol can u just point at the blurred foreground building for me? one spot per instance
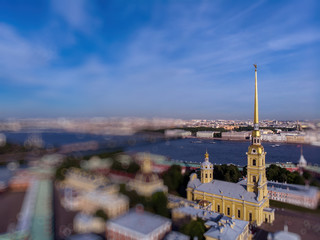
(147, 182)
(88, 193)
(138, 225)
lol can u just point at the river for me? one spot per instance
(181, 149)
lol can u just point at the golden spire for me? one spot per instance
(256, 132)
(256, 113)
(206, 155)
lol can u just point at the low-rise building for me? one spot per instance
(83, 223)
(138, 225)
(235, 135)
(173, 235)
(147, 182)
(177, 133)
(227, 228)
(304, 196)
(89, 202)
(84, 181)
(219, 225)
(270, 137)
(206, 134)
(285, 234)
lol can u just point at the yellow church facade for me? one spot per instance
(246, 200)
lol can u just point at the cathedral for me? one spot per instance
(246, 200)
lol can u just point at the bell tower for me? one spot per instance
(256, 169)
(206, 169)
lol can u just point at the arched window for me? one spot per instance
(228, 211)
(239, 215)
(254, 179)
(254, 162)
(250, 217)
(218, 208)
(206, 175)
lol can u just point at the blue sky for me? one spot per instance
(179, 59)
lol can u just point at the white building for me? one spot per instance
(206, 134)
(177, 133)
(138, 224)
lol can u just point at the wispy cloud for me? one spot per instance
(76, 13)
(290, 41)
(18, 53)
(187, 59)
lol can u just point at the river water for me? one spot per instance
(180, 149)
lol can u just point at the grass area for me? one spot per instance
(277, 204)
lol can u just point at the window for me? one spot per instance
(218, 208)
(254, 179)
(210, 175)
(206, 175)
(250, 217)
(228, 211)
(254, 162)
(239, 214)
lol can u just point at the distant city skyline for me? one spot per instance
(187, 60)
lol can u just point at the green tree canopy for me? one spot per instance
(229, 173)
(195, 228)
(69, 162)
(101, 214)
(159, 204)
(276, 173)
(173, 178)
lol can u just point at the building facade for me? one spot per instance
(304, 196)
(147, 182)
(244, 201)
(138, 225)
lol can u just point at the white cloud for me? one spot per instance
(76, 13)
(18, 53)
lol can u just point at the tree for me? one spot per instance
(65, 165)
(101, 214)
(133, 167)
(173, 178)
(275, 173)
(229, 173)
(159, 204)
(195, 228)
(306, 175)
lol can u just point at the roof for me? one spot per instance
(84, 218)
(85, 236)
(226, 189)
(206, 165)
(176, 236)
(201, 213)
(302, 160)
(227, 229)
(285, 235)
(302, 190)
(143, 223)
(194, 183)
(104, 198)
